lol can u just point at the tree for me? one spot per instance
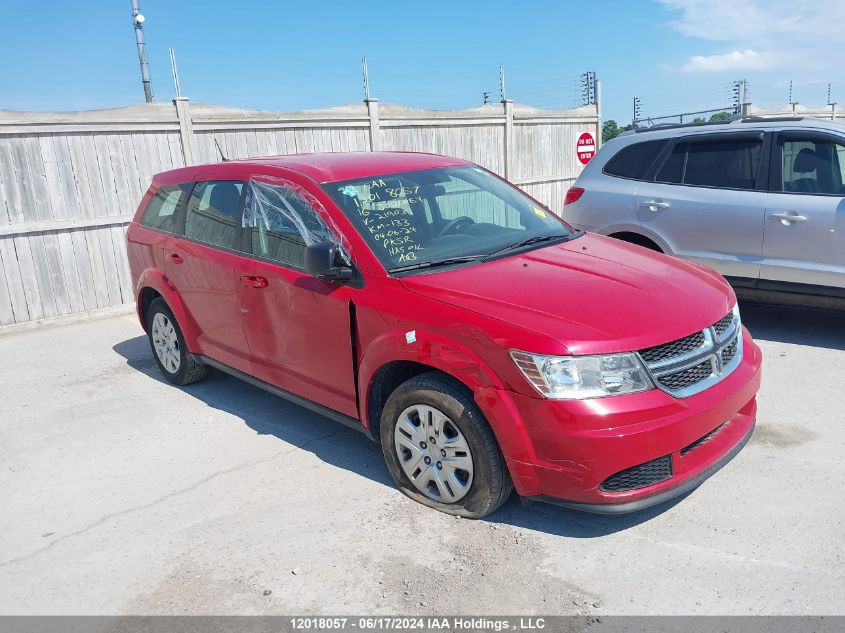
(720, 116)
(609, 130)
(698, 119)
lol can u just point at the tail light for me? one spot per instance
(573, 195)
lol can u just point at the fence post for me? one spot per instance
(375, 131)
(186, 130)
(508, 146)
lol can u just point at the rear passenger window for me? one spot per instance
(161, 212)
(633, 161)
(672, 170)
(726, 164)
(213, 211)
(282, 223)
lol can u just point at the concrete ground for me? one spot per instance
(121, 494)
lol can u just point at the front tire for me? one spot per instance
(168, 346)
(440, 449)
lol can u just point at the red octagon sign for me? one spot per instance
(586, 148)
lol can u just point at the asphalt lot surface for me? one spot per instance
(121, 494)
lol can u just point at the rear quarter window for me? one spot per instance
(161, 211)
(634, 160)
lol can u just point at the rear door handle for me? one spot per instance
(788, 218)
(654, 205)
(254, 281)
(176, 259)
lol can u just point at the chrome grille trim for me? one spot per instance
(707, 345)
(722, 342)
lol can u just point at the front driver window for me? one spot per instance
(282, 223)
(813, 166)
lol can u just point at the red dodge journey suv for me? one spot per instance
(485, 344)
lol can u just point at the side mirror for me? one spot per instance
(321, 260)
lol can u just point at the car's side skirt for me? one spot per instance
(287, 395)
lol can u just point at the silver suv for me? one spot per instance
(760, 200)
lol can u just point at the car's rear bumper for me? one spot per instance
(567, 452)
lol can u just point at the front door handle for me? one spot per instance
(176, 259)
(788, 218)
(654, 205)
(254, 281)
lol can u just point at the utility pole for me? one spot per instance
(637, 111)
(486, 95)
(597, 83)
(745, 98)
(502, 92)
(366, 78)
(138, 22)
(175, 72)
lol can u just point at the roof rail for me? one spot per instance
(755, 118)
(670, 126)
(733, 119)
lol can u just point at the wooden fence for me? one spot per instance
(70, 182)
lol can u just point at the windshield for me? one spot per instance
(421, 218)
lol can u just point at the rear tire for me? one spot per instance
(168, 346)
(465, 474)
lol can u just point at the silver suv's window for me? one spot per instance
(634, 160)
(813, 166)
(726, 164)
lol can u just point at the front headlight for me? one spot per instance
(580, 377)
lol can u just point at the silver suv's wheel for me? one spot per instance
(440, 449)
(433, 453)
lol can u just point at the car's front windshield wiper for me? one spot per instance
(527, 242)
(438, 262)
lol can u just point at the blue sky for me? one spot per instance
(675, 55)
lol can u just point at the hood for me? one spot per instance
(593, 294)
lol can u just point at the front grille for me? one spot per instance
(729, 351)
(708, 436)
(639, 476)
(675, 348)
(687, 377)
(691, 364)
(723, 325)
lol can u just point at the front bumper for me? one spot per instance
(646, 502)
(563, 451)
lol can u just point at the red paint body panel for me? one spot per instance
(594, 294)
(298, 333)
(589, 295)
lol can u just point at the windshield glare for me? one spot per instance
(436, 214)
